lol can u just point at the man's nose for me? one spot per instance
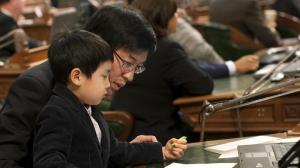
(129, 76)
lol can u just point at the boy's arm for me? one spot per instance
(53, 139)
(124, 153)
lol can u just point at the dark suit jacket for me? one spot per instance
(65, 137)
(7, 24)
(244, 15)
(214, 70)
(291, 7)
(25, 99)
(149, 97)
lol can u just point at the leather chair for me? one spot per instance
(287, 26)
(229, 42)
(16, 37)
(120, 123)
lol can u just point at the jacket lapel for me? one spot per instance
(105, 140)
(77, 106)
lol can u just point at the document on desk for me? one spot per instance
(210, 165)
(229, 150)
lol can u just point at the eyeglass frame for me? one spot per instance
(128, 66)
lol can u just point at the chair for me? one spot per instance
(229, 42)
(120, 123)
(15, 40)
(288, 26)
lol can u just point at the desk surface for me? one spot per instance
(196, 153)
(234, 83)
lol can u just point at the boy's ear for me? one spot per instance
(76, 76)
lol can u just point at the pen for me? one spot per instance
(173, 143)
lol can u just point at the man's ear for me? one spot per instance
(76, 77)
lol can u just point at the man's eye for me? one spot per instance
(128, 64)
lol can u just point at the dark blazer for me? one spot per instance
(214, 70)
(149, 97)
(291, 7)
(244, 15)
(65, 137)
(7, 24)
(25, 99)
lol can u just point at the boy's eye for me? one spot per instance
(105, 76)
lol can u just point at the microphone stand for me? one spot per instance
(267, 75)
(209, 108)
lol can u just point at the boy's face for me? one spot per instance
(93, 90)
(119, 75)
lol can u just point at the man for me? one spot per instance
(10, 13)
(204, 55)
(244, 15)
(291, 7)
(132, 40)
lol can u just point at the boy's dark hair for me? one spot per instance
(157, 12)
(123, 28)
(3, 2)
(77, 49)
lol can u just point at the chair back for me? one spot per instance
(120, 123)
(222, 37)
(288, 26)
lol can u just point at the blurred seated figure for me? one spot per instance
(14, 40)
(246, 16)
(291, 7)
(11, 11)
(204, 54)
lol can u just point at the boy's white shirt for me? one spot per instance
(95, 124)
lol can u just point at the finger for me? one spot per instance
(180, 146)
(176, 152)
(181, 141)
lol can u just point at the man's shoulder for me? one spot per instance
(41, 73)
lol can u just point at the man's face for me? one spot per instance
(124, 66)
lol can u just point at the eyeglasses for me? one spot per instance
(128, 67)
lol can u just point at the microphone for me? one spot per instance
(246, 100)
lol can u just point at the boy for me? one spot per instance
(69, 131)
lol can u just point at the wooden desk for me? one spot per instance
(275, 115)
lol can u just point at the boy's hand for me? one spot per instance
(144, 138)
(174, 148)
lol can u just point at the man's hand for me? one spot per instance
(246, 63)
(144, 138)
(174, 148)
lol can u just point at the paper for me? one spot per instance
(229, 150)
(210, 165)
(229, 154)
(286, 140)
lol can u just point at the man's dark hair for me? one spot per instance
(157, 12)
(77, 49)
(3, 2)
(123, 28)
